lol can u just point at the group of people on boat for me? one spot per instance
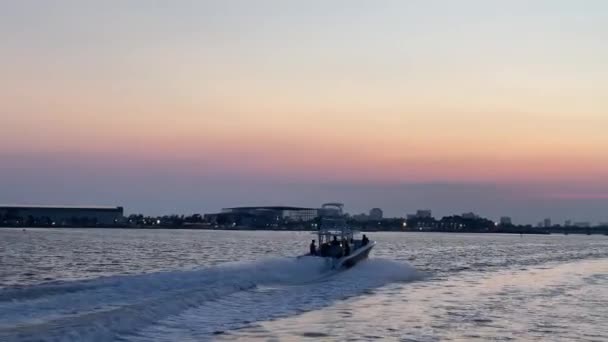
(335, 248)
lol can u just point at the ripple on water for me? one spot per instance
(313, 334)
(464, 286)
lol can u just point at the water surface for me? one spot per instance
(141, 285)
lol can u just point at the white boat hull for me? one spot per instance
(357, 255)
(348, 261)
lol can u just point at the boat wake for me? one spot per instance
(202, 301)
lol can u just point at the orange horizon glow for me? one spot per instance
(405, 101)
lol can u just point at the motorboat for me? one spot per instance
(338, 244)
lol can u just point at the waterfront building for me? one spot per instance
(263, 216)
(422, 219)
(506, 221)
(280, 212)
(60, 215)
(361, 217)
(460, 223)
(423, 214)
(547, 222)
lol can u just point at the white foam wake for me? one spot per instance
(106, 308)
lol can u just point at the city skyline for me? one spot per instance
(498, 109)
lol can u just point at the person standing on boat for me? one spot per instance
(335, 249)
(313, 248)
(364, 240)
(335, 241)
(345, 247)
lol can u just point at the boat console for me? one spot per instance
(337, 241)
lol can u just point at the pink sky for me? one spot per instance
(376, 93)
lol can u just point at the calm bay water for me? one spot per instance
(142, 285)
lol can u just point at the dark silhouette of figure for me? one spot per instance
(335, 241)
(364, 240)
(325, 250)
(346, 248)
(335, 249)
(313, 248)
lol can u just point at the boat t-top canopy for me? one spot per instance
(333, 204)
(348, 233)
(333, 223)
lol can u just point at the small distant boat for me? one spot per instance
(336, 241)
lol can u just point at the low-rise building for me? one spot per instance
(260, 217)
(361, 217)
(423, 214)
(280, 212)
(61, 215)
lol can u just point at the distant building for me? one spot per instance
(423, 219)
(506, 221)
(261, 217)
(547, 222)
(361, 217)
(376, 214)
(469, 216)
(279, 212)
(61, 215)
(426, 213)
(299, 214)
(568, 223)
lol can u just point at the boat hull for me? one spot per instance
(348, 261)
(355, 257)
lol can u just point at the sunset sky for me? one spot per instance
(497, 107)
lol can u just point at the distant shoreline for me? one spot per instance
(562, 231)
